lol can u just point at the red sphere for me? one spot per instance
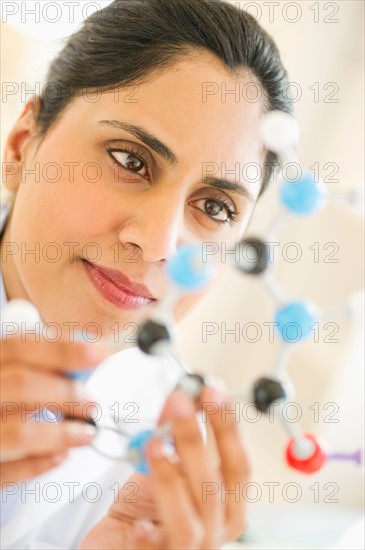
(307, 465)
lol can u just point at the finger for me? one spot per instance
(24, 385)
(62, 355)
(201, 473)
(179, 518)
(21, 470)
(234, 463)
(125, 509)
(31, 438)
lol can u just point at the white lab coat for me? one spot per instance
(68, 500)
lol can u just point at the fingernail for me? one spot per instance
(142, 527)
(58, 458)
(183, 405)
(81, 433)
(168, 450)
(163, 449)
(146, 530)
(155, 450)
(10, 456)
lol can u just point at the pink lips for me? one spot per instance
(117, 288)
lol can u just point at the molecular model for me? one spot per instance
(293, 319)
(187, 272)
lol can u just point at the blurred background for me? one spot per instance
(322, 46)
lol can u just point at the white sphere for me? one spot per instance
(279, 131)
(356, 198)
(20, 311)
(356, 307)
(303, 448)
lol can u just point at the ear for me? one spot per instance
(17, 143)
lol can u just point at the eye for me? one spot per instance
(131, 161)
(221, 211)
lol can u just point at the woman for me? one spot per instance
(130, 152)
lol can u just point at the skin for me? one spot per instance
(172, 495)
(148, 215)
(145, 219)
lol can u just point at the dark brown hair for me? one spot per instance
(129, 40)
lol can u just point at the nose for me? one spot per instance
(155, 225)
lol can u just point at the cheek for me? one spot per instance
(48, 217)
(68, 199)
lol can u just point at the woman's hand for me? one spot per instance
(189, 502)
(33, 376)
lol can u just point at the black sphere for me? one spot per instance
(266, 391)
(153, 338)
(254, 256)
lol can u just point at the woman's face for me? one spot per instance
(118, 183)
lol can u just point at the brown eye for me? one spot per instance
(133, 163)
(130, 162)
(213, 208)
(216, 210)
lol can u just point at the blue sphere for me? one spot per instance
(136, 447)
(294, 320)
(187, 270)
(304, 196)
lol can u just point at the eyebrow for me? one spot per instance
(144, 136)
(230, 186)
(166, 153)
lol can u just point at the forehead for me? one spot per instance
(196, 107)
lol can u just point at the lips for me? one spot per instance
(116, 288)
